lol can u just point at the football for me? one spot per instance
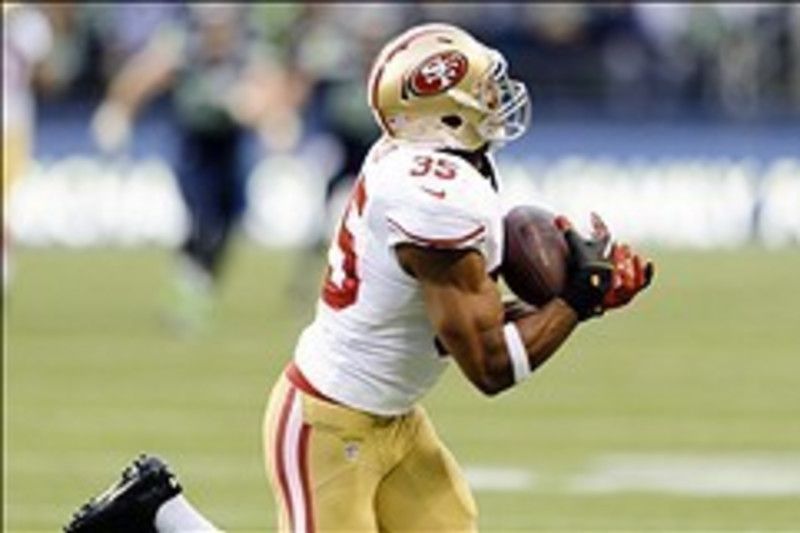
(535, 255)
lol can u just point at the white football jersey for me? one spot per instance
(371, 345)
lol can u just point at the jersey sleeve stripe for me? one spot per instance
(454, 242)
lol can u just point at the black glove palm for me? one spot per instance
(590, 269)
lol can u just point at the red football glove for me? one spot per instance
(602, 275)
(632, 274)
(591, 271)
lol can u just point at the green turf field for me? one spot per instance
(682, 414)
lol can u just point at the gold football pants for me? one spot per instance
(337, 470)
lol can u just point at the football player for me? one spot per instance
(224, 84)
(27, 40)
(409, 291)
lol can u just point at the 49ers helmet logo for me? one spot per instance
(438, 73)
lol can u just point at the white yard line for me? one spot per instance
(700, 475)
(692, 474)
(499, 479)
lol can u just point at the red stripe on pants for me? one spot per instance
(289, 438)
(280, 441)
(305, 435)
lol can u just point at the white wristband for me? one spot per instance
(516, 351)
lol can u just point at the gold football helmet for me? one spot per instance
(436, 84)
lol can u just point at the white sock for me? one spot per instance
(178, 516)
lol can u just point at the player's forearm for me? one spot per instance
(543, 332)
(498, 348)
(128, 93)
(146, 75)
(503, 350)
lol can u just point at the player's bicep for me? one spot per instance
(465, 309)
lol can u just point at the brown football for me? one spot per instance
(535, 255)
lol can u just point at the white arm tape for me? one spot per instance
(516, 351)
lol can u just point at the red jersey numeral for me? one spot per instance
(340, 288)
(341, 283)
(438, 167)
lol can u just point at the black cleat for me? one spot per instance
(130, 505)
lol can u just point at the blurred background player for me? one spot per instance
(27, 40)
(332, 47)
(224, 81)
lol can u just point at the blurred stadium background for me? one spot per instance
(679, 122)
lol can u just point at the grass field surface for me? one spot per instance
(679, 414)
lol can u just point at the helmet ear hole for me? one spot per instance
(452, 121)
